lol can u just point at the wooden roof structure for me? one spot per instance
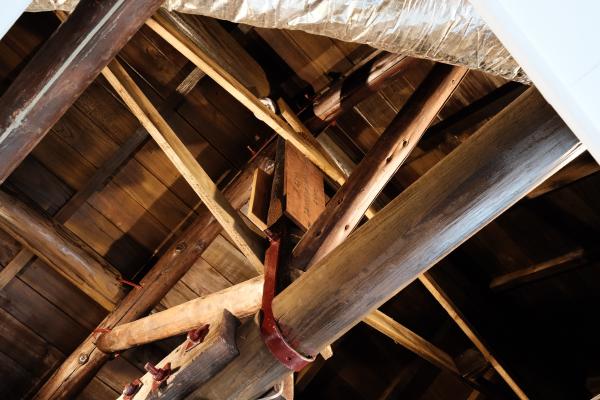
(148, 162)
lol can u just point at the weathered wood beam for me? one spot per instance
(192, 368)
(356, 87)
(180, 35)
(61, 70)
(535, 272)
(242, 300)
(345, 210)
(512, 153)
(62, 250)
(413, 342)
(73, 375)
(244, 238)
(453, 311)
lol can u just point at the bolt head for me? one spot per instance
(83, 358)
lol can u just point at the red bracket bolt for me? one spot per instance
(131, 389)
(159, 375)
(196, 336)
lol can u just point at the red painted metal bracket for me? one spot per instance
(269, 330)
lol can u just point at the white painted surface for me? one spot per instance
(557, 44)
(10, 11)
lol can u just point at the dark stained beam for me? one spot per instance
(61, 70)
(500, 164)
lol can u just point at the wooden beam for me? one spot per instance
(556, 265)
(180, 35)
(194, 367)
(23, 257)
(413, 342)
(345, 210)
(247, 241)
(61, 70)
(357, 86)
(242, 300)
(72, 376)
(454, 313)
(62, 250)
(512, 153)
(258, 205)
(581, 167)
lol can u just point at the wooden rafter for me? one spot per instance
(61, 70)
(246, 240)
(62, 250)
(463, 193)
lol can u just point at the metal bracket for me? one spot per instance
(269, 329)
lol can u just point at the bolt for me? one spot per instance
(83, 358)
(131, 388)
(198, 335)
(180, 248)
(158, 374)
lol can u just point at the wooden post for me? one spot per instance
(242, 300)
(62, 250)
(516, 150)
(72, 376)
(347, 207)
(62, 69)
(247, 241)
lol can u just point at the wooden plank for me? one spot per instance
(242, 300)
(349, 204)
(581, 167)
(303, 188)
(413, 342)
(72, 377)
(555, 265)
(516, 150)
(19, 262)
(258, 205)
(62, 250)
(194, 367)
(180, 156)
(61, 70)
(168, 27)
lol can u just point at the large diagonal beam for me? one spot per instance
(62, 250)
(247, 241)
(73, 375)
(516, 150)
(346, 208)
(61, 70)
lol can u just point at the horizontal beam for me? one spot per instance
(242, 300)
(62, 250)
(245, 239)
(61, 70)
(500, 164)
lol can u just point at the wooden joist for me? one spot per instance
(72, 376)
(190, 369)
(413, 342)
(180, 35)
(247, 241)
(62, 250)
(555, 265)
(510, 155)
(61, 70)
(242, 300)
(345, 210)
